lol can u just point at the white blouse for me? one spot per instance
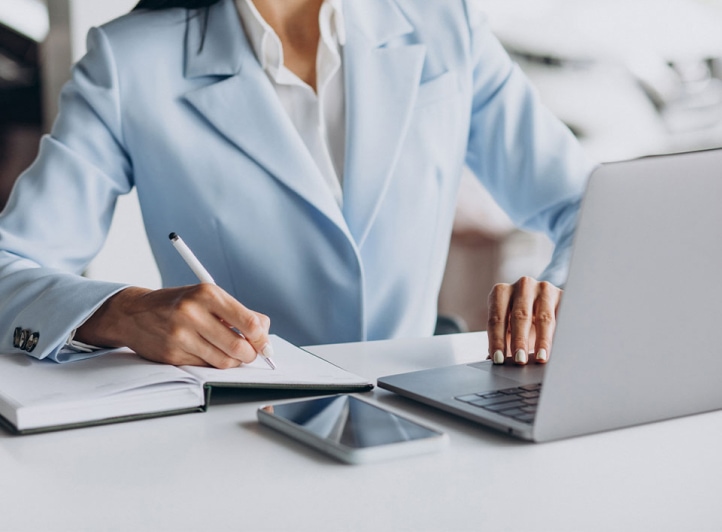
(319, 117)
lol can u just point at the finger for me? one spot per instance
(217, 358)
(195, 345)
(228, 341)
(496, 328)
(520, 318)
(178, 357)
(254, 326)
(545, 311)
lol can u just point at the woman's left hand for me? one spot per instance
(522, 319)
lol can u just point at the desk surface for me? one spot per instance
(220, 470)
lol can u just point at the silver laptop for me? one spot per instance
(638, 331)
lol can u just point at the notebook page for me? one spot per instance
(294, 367)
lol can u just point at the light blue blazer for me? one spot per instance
(195, 126)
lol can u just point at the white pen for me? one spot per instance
(205, 277)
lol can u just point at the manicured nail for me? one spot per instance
(541, 355)
(498, 357)
(267, 350)
(520, 357)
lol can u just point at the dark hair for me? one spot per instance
(166, 4)
(187, 4)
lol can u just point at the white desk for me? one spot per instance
(221, 471)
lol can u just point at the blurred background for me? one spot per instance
(629, 78)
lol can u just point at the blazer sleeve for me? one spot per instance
(527, 158)
(60, 209)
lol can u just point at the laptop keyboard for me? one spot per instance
(517, 403)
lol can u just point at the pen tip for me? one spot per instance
(172, 236)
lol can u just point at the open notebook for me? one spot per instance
(38, 395)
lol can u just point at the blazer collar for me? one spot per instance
(243, 107)
(381, 86)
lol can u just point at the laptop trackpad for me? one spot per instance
(521, 375)
(462, 379)
(451, 381)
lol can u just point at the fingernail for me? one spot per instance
(542, 355)
(267, 350)
(498, 357)
(520, 357)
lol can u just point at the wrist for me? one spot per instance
(106, 326)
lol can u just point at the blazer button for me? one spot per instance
(32, 342)
(20, 337)
(16, 336)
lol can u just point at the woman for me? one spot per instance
(309, 152)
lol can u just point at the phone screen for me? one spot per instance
(351, 422)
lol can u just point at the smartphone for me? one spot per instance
(351, 429)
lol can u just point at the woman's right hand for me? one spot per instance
(522, 320)
(186, 325)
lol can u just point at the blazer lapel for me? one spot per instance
(243, 107)
(381, 86)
